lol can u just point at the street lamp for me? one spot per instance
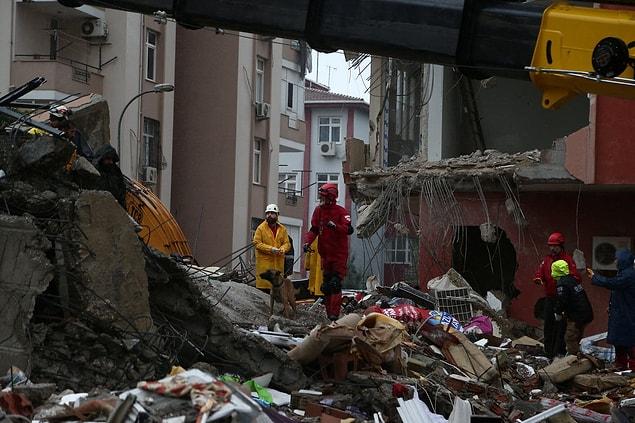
(158, 88)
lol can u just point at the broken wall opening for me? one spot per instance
(487, 266)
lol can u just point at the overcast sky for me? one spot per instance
(341, 79)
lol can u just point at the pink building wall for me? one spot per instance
(600, 214)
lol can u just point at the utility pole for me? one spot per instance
(317, 68)
(330, 67)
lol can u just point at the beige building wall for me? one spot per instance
(204, 153)
(6, 37)
(244, 142)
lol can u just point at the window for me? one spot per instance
(398, 250)
(329, 129)
(288, 183)
(409, 91)
(325, 178)
(260, 80)
(151, 54)
(255, 222)
(257, 163)
(290, 87)
(151, 143)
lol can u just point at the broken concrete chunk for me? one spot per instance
(192, 312)
(25, 272)
(37, 393)
(116, 288)
(566, 368)
(44, 153)
(527, 341)
(469, 358)
(600, 382)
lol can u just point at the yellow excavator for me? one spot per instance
(565, 48)
(159, 229)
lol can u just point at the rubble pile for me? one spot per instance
(98, 326)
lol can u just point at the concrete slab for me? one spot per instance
(116, 283)
(25, 272)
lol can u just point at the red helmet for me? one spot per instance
(555, 238)
(329, 191)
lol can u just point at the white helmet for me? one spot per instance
(272, 208)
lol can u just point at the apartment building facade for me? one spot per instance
(237, 106)
(91, 50)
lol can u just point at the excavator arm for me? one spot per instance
(564, 49)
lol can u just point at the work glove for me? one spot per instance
(538, 281)
(331, 224)
(557, 316)
(306, 248)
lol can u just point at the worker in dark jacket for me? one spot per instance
(621, 308)
(289, 260)
(553, 330)
(111, 178)
(572, 304)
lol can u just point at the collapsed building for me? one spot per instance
(488, 215)
(84, 293)
(92, 300)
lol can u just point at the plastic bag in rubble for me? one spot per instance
(579, 260)
(14, 376)
(587, 346)
(479, 325)
(435, 317)
(579, 414)
(461, 411)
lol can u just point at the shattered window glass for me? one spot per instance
(407, 96)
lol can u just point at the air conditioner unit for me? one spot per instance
(327, 149)
(150, 175)
(263, 110)
(604, 248)
(94, 28)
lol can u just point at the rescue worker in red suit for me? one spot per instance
(332, 223)
(554, 329)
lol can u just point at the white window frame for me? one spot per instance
(325, 178)
(330, 124)
(151, 50)
(260, 80)
(393, 249)
(288, 183)
(257, 161)
(150, 141)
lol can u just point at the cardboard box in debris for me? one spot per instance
(95, 325)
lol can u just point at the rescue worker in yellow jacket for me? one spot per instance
(272, 242)
(313, 263)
